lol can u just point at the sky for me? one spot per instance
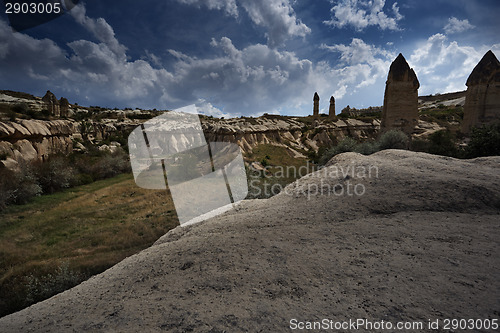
(246, 57)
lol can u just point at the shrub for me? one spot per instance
(110, 165)
(442, 143)
(41, 288)
(20, 108)
(367, 148)
(420, 145)
(393, 139)
(82, 179)
(484, 141)
(347, 144)
(25, 184)
(7, 187)
(55, 174)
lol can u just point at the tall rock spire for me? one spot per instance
(482, 100)
(316, 106)
(400, 109)
(331, 111)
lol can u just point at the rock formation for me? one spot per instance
(52, 104)
(316, 106)
(482, 101)
(400, 109)
(421, 242)
(64, 107)
(331, 111)
(290, 133)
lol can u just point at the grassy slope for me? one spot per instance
(91, 228)
(282, 169)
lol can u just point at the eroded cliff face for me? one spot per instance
(298, 137)
(37, 140)
(30, 140)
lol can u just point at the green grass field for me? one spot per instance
(86, 230)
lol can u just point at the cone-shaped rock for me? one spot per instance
(401, 97)
(52, 103)
(331, 111)
(64, 107)
(316, 105)
(482, 100)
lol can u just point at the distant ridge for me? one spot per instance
(442, 97)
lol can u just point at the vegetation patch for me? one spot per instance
(61, 239)
(280, 168)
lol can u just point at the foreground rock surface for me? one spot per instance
(421, 243)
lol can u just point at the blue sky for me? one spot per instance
(246, 57)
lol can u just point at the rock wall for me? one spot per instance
(298, 137)
(30, 140)
(482, 100)
(37, 140)
(400, 109)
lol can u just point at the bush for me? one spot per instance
(23, 184)
(55, 174)
(442, 143)
(367, 148)
(393, 139)
(7, 187)
(20, 108)
(83, 179)
(346, 145)
(41, 288)
(484, 141)
(110, 165)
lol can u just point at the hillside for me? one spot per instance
(419, 243)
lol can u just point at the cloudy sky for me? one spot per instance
(246, 57)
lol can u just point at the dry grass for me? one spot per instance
(91, 228)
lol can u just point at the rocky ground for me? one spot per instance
(420, 243)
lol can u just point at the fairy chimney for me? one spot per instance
(331, 111)
(400, 109)
(64, 107)
(482, 100)
(316, 106)
(52, 103)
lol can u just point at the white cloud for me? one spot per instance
(252, 80)
(455, 25)
(100, 29)
(444, 66)
(248, 81)
(206, 108)
(229, 6)
(360, 14)
(276, 16)
(361, 64)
